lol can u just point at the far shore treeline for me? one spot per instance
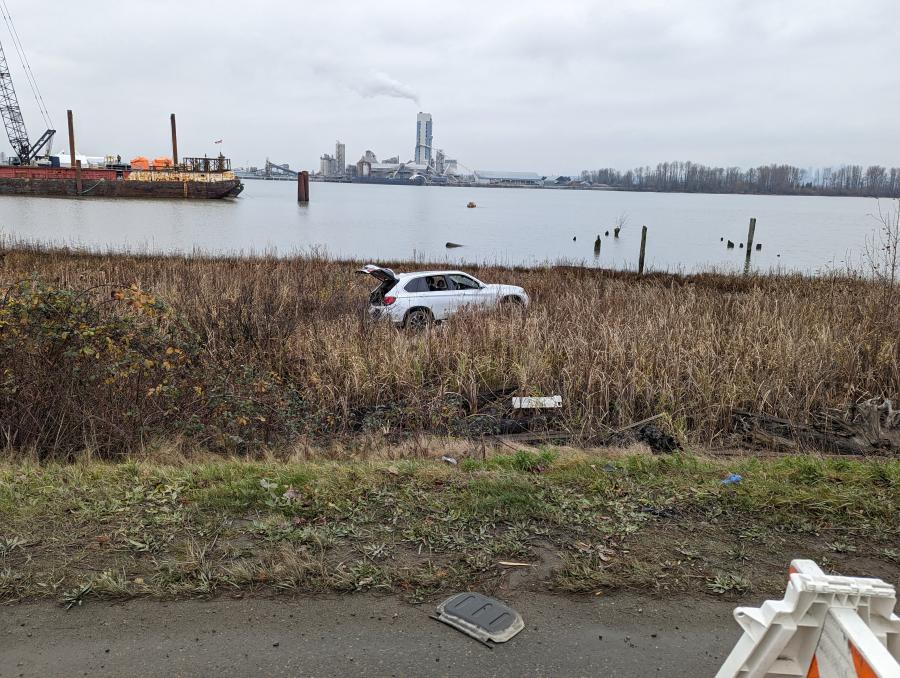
(874, 181)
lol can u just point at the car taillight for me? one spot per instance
(389, 300)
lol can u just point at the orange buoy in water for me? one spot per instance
(471, 204)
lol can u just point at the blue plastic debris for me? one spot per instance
(732, 479)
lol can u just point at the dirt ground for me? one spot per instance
(620, 634)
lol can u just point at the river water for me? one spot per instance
(508, 226)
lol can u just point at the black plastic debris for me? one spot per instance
(481, 617)
(657, 439)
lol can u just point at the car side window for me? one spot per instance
(436, 283)
(427, 283)
(464, 282)
(416, 285)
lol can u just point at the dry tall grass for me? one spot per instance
(277, 348)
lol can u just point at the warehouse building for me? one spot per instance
(491, 178)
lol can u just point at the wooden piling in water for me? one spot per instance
(72, 162)
(643, 250)
(303, 186)
(750, 234)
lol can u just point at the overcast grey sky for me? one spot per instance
(551, 86)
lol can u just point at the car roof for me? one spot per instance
(413, 274)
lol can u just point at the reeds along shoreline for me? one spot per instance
(112, 352)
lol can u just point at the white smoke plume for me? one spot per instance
(366, 83)
(382, 85)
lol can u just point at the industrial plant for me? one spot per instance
(429, 165)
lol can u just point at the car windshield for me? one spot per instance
(464, 282)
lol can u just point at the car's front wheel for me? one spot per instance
(418, 319)
(512, 301)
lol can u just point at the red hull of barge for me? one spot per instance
(107, 183)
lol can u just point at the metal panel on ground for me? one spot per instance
(481, 617)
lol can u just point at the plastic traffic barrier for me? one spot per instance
(824, 627)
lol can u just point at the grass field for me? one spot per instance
(117, 353)
(581, 523)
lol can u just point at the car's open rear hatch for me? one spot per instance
(382, 274)
(386, 279)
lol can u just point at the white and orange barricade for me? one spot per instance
(824, 627)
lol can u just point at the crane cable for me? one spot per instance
(26, 66)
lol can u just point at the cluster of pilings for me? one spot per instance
(598, 243)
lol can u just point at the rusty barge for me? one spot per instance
(192, 178)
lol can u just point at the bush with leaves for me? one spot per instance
(110, 369)
(94, 368)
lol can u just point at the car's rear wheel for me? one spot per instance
(418, 319)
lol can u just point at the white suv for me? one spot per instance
(416, 299)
